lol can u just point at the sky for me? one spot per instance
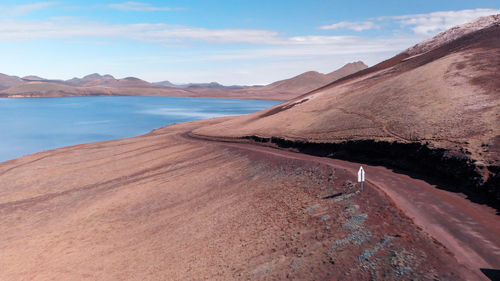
(239, 42)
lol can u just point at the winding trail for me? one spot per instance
(374, 121)
(469, 230)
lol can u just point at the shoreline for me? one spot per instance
(89, 96)
(229, 94)
(166, 96)
(61, 122)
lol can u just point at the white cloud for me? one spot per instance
(78, 29)
(166, 32)
(273, 56)
(331, 46)
(435, 22)
(67, 28)
(21, 10)
(421, 24)
(81, 31)
(356, 26)
(137, 6)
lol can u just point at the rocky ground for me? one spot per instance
(166, 207)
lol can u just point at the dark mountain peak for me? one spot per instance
(132, 79)
(33, 78)
(93, 76)
(166, 83)
(356, 63)
(211, 85)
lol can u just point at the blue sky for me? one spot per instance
(232, 42)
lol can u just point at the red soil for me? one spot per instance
(163, 206)
(470, 231)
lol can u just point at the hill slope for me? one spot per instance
(166, 207)
(97, 80)
(305, 82)
(441, 105)
(7, 81)
(312, 80)
(55, 89)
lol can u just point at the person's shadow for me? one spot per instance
(333, 195)
(493, 274)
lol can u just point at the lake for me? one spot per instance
(32, 125)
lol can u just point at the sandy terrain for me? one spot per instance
(168, 207)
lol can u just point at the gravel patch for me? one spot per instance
(294, 265)
(347, 196)
(357, 238)
(402, 260)
(310, 209)
(367, 254)
(349, 185)
(355, 222)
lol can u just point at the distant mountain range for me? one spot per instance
(96, 85)
(97, 80)
(211, 85)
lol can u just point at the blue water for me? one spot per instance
(36, 124)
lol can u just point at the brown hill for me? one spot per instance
(312, 80)
(39, 87)
(303, 83)
(123, 87)
(108, 81)
(33, 78)
(166, 83)
(440, 107)
(7, 81)
(56, 89)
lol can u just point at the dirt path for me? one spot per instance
(470, 231)
(374, 121)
